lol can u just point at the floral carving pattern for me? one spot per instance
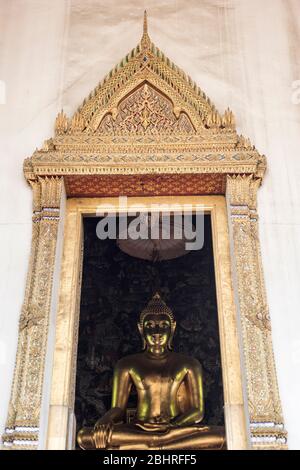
(146, 111)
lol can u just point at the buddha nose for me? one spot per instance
(156, 338)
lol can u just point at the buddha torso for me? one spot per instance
(157, 381)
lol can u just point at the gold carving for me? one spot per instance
(61, 123)
(266, 420)
(25, 403)
(77, 123)
(145, 111)
(228, 120)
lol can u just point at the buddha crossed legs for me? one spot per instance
(170, 395)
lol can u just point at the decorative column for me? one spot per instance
(266, 420)
(22, 427)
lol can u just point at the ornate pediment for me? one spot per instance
(146, 116)
(174, 99)
(146, 111)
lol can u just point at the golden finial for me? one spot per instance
(145, 26)
(145, 41)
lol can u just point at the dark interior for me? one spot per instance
(115, 288)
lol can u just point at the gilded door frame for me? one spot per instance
(63, 378)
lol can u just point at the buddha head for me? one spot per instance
(157, 326)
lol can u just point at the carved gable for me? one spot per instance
(145, 116)
(143, 88)
(146, 111)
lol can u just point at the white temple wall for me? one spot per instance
(242, 53)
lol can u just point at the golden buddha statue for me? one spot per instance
(170, 395)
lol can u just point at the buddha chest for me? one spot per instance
(157, 384)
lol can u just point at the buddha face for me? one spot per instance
(157, 332)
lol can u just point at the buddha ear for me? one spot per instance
(141, 330)
(173, 327)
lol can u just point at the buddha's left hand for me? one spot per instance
(159, 427)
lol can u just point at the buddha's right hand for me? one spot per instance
(111, 417)
(101, 426)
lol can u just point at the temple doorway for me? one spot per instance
(115, 288)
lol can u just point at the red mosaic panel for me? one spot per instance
(144, 185)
